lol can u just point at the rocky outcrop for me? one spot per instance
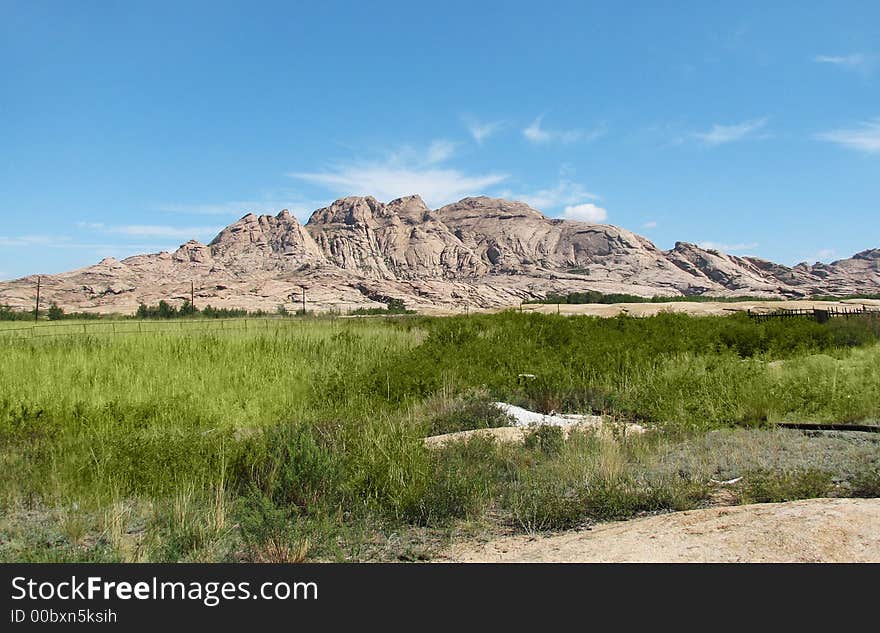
(480, 252)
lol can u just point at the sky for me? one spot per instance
(753, 128)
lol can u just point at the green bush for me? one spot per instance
(467, 413)
(550, 440)
(866, 483)
(289, 465)
(764, 486)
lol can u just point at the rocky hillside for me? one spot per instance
(479, 252)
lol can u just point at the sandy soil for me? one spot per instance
(708, 308)
(815, 530)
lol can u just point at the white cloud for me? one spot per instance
(565, 193)
(535, 134)
(481, 131)
(650, 225)
(152, 230)
(728, 248)
(585, 212)
(386, 182)
(31, 240)
(66, 242)
(440, 151)
(857, 62)
(298, 206)
(538, 134)
(864, 138)
(721, 134)
(826, 254)
(404, 172)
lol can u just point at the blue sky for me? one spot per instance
(131, 127)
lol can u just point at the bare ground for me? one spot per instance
(707, 308)
(814, 530)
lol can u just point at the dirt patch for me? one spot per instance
(706, 308)
(815, 530)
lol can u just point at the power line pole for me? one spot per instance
(37, 305)
(192, 295)
(304, 300)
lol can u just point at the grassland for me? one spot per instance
(301, 439)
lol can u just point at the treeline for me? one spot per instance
(393, 306)
(53, 313)
(7, 313)
(165, 310)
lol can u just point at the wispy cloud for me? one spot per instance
(721, 134)
(564, 193)
(67, 242)
(865, 137)
(856, 62)
(152, 230)
(436, 186)
(538, 134)
(298, 206)
(650, 225)
(585, 212)
(405, 171)
(480, 130)
(439, 151)
(30, 240)
(728, 248)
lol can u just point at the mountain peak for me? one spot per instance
(478, 251)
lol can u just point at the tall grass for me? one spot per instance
(281, 444)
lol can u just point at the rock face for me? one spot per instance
(479, 252)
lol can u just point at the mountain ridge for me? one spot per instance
(479, 251)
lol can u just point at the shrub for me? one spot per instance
(866, 483)
(541, 501)
(473, 411)
(280, 534)
(289, 466)
(763, 486)
(548, 439)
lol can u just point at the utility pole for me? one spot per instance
(37, 305)
(304, 299)
(192, 295)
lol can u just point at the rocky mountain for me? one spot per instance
(478, 252)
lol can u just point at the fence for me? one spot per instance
(818, 314)
(103, 328)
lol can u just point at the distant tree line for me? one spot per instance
(392, 306)
(54, 313)
(7, 313)
(165, 310)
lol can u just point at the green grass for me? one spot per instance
(301, 439)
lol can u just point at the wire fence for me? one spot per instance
(105, 328)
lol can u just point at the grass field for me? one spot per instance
(301, 439)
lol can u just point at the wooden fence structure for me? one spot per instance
(821, 315)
